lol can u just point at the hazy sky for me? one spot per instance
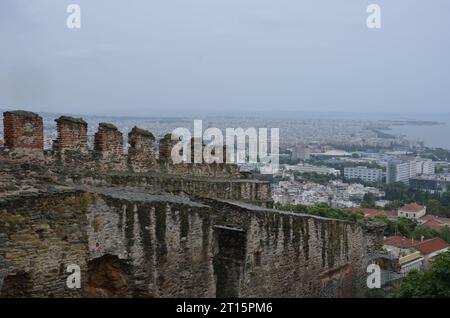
(163, 57)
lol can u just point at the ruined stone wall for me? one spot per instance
(24, 136)
(302, 252)
(141, 154)
(251, 191)
(294, 255)
(72, 138)
(165, 148)
(24, 143)
(169, 246)
(108, 142)
(38, 239)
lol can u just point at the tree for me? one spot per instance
(435, 207)
(400, 226)
(368, 200)
(434, 283)
(446, 198)
(422, 231)
(322, 210)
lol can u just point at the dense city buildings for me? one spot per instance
(307, 168)
(438, 183)
(334, 194)
(301, 152)
(363, 173)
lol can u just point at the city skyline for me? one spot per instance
(224, 57)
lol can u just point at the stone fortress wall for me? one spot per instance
(139, 226)
(24, 141)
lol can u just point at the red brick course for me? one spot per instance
(23, 129)
(72, 135)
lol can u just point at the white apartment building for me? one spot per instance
(423, 166)
(363, 173)
(403, 170)
(397, 171)
(304, 168)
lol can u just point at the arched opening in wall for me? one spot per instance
(337, 282)
(108, 276)
(17, 285)
(229, 260)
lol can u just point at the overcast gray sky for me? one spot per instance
(163, 57)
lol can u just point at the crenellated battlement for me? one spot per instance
(164, 229)
(72, 136)
(24, 136)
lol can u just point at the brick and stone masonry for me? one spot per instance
(162, 234)
(128, 242)
(108, 142)
(24, 134)
(72, 136)
(165, 148)
(141, 154)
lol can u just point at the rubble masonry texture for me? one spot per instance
(139, 226)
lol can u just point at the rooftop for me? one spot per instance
(412, 207)
(399, 241)
(435, 222)
(432, 245)
(425, 247)
(374, 212)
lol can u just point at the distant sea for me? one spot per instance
(435, 136)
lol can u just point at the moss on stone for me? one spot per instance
(11, 220)
(73, 120)
(287, 234)
(129, 225)
(142, 132)
(23, 113)
(144, 224)
(160, 229)
(107, 126)
(206, 227)
(305, 237)
(184, 224)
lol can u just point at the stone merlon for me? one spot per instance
(72, 135)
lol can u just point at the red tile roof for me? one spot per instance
(413, 207)
(439, 219)
(399, 241)
(375, 212)
(435, 222)
(430, 246)
(434, 225)
(426, 247)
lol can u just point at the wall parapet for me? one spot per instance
(176, 247)
(24, 139)
(24, 135)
